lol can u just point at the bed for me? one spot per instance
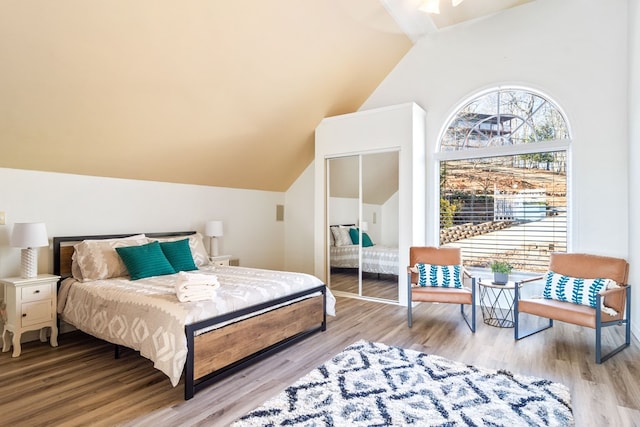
(253, 312)
(377, 259)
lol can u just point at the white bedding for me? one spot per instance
(146, 315)
(375, 259)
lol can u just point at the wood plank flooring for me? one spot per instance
(383, 286)
(80, 383)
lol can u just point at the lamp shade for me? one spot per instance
(29, 235)
(214, 229)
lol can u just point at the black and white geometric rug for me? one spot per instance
(373, 384)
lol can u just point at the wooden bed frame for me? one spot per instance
(223, 351)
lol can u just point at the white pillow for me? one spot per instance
(577, 290)
(98, 259)
(445, 276)
(341, 236)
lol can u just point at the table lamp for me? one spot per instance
(213, 230)
(29, 236)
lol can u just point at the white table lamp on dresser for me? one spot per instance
(31, 299)
(29, 236)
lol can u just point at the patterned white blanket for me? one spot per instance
(145, 314)
(375, 259)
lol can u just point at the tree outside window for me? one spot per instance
(503, 180)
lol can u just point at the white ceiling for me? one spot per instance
(416, 23)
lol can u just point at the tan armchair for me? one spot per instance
(439, 256)
(587, 267)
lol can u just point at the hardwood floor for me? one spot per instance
(384, 286)
(79, 382)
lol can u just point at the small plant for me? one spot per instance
(501, 267)
(501, 270)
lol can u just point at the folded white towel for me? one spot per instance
(196, 287)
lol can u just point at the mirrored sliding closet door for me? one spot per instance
(362, 212)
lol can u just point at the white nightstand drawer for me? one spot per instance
(36, 293)
(36, 312)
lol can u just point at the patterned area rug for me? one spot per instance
(373, 384)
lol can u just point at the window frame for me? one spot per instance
(440, 156)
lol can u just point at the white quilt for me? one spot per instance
(145, 314)
(375, 259)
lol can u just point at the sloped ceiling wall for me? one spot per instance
(221, 93)
(380, 177)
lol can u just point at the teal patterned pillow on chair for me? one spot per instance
(576, 290)
(446, 276)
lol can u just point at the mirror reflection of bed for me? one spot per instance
(363, 217)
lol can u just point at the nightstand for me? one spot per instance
(30, 306)
(220, 260)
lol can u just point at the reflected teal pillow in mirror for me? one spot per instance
(353, 233)
(355, 238)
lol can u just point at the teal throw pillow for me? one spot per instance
(576, 290)
(353, 233)
(446, 276)
(145, 261)
(355, 238)
(179, 255)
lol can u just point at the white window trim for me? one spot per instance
(508, 150)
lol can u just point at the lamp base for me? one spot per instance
(29, 263)
(214, 246)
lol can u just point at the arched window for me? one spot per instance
(503, 179)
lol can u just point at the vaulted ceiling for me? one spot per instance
(222, 93)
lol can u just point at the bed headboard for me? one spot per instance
(63, 247)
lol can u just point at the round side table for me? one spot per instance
(496, 303)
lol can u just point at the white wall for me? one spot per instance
(634, 159)
(577, 53)
(298, 223)
(76, 205)
(390, 215)
(344, 210)
(552, 46)
(370, 211)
